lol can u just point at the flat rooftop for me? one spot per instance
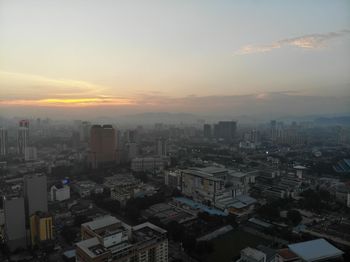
(315, 250)
(195, 172)
(101, 222)
(92, 247)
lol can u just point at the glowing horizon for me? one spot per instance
(157, 55)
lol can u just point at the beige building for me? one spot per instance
(201, 186)
(109, 239)
(41, 228)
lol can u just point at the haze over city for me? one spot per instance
(86, 58)
(174, 131)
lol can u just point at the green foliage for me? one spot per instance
(294, 217)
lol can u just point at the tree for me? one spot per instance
(294, 216)
(204, 247)
(68, 234)
(269, 212)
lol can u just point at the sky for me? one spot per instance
(101, 57)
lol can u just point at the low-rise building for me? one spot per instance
(59, 192)
(86, 188)
(149, 163)
(109, 239)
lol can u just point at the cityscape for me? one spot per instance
(180, 131)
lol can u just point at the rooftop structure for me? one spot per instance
(109, 239)
(252, 255)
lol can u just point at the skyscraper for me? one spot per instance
(103, 145)
(207, 131)
(225, 130)
(3, 141)
(22, 137)
(162, 147)
(35, 193)
(15, 231)
(84, 131)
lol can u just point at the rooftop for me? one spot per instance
(314, 250)
(201, 174)
(253, 253)
(92, 247)
(101, 222)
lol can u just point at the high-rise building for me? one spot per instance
(84, 131)
(162, 147)
(35, 193)
(103, 145)
(41, 228)
(109, 239)
(30, 153)
(207, 131)
(15, 231)
(3, 141)
(225, 130)
(22, 137)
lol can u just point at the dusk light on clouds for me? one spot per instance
(138, 56)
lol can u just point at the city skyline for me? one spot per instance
(65, 59)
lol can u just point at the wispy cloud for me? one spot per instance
(311, 41)
(76, 102)
(27, 84)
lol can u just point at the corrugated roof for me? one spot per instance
(315, 250)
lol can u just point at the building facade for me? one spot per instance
(15, 231)
(103, 145)
(3, 142)
(35, 193)
(41, 228)
(22, 137)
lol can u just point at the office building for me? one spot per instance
(30, 153)
(3, 142)
(109, 239)
(35, 193)
(15, 231)
(162, 147)
(207, 132)
(148, 164)
(41, 228)
(225, 130)
(22, 137)
(84, 131)
(103, 145)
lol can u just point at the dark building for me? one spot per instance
(35, 194)
(103, 145)
(15, 231)
(225, 130)
(207, 132)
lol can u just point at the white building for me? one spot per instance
(60, 192)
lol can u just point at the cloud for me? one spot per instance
(312, 41)
(23, 84)
(74, 102)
